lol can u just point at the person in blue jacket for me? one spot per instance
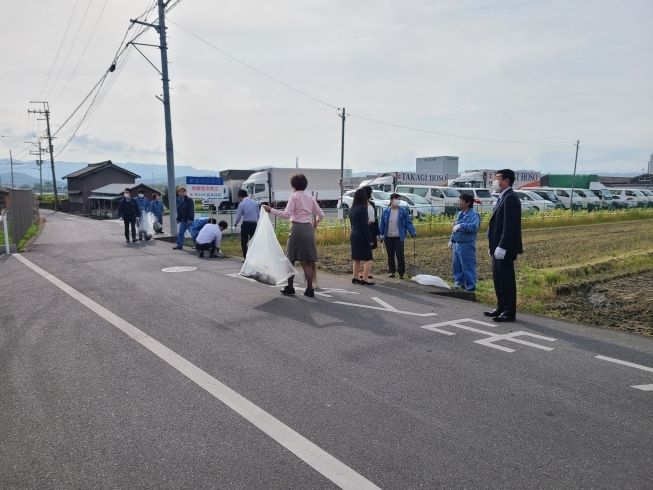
(185, 216)
(395, 223)
(156, 208)
(196, 226)
(143, 206)
(463, 243)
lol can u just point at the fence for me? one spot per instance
(22, 212)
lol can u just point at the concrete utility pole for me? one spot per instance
(11, 165)
(573, 179)
(170, 157)
(39, 162)
(46, 111)
(342, 162)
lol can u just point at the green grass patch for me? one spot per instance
(31, 231)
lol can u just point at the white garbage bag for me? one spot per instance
(265, 260)
(146, 225)
(427, 280)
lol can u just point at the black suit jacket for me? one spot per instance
(505, 225)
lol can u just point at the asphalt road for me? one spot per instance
(116, 374)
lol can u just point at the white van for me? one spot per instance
(564, 195)
(537, 201)
(445, 198)
(635, 194)
(591, 201)
(483, 200)
(604, 194)
(648, 193)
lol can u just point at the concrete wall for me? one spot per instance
(21, 213)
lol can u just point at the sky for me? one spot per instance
(543, 72)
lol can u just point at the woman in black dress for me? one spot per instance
(361, 238)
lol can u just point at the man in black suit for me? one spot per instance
(504, 235)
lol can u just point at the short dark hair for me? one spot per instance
(506, 173)
(223, 224)
(360, 198)
(242, 193)
(394, 195)
(299, 182)
(128, 190)
(141, 190)
(368, 191)
(211, 221)
(154, 194)
(468, 198)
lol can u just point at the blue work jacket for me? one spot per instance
(404, 223)
(142, 202)
(156, 207)
(469, 223)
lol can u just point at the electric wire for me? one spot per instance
(59, 50)
(83, 52)
(361, 117)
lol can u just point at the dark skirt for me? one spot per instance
(360, 250)
(301, 243)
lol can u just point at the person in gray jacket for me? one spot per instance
(463, 244)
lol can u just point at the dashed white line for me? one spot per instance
(632, 365)
(332, 468)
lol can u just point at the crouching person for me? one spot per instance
(463, 243)
(210, 237)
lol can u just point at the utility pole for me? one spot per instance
(11, 164)
(170, 157)
(573, 180)
(342, 162)
(39, 162)
(46, 111)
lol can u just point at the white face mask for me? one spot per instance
(394, 202)
(126, 196)
(141, 195)
(495, 186)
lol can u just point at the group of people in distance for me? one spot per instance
(130, 210)
(368, 227)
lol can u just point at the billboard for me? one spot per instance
(206, 188)
(437, 165)
(405, 178)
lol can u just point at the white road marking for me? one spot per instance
(633, 365)
(333, 469)
(625, 363)
(385, 307)
(491, 338)
(178, 269)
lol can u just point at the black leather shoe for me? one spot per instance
(492, 314)
(503, 318)
(288, 291)
(309, 292)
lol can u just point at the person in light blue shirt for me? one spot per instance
(463, 243)
(248, 211)
(156, 208)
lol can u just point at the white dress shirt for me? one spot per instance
(210, 233)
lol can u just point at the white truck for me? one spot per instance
(389, 182)
(272, 185)
(483, 178)
(228, 198)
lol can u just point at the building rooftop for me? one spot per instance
(95, 167)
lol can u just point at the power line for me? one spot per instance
(72, 14)
(83, 52)
(460, 136)
(254, 69)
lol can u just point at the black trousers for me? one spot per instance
(130, 221)
(505, 286)
(205, 246)
(247, 230)
(395, 246)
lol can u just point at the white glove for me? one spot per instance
(499, 253)
(450, 245)
(120, 219)
(233, 229)
(456, 228)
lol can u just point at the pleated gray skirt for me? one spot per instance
(301, 243)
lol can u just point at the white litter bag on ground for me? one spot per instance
(427, 280)
(265, 260)
(146, 225)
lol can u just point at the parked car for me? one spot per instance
(483, 200)
(445, 198)
(563, 195)
(648, 193)
(622, 201)
(591, 201)
(526, 206)
(636, 194)
(549, 196)
(537, 201)
(418, 206)
(379, 198)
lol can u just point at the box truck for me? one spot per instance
(232, 180)
(272, 185)
(388, 182)
(483, 178)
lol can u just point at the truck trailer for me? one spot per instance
(483, 178)
(232, 181)
(388, 182)
(272, 185)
